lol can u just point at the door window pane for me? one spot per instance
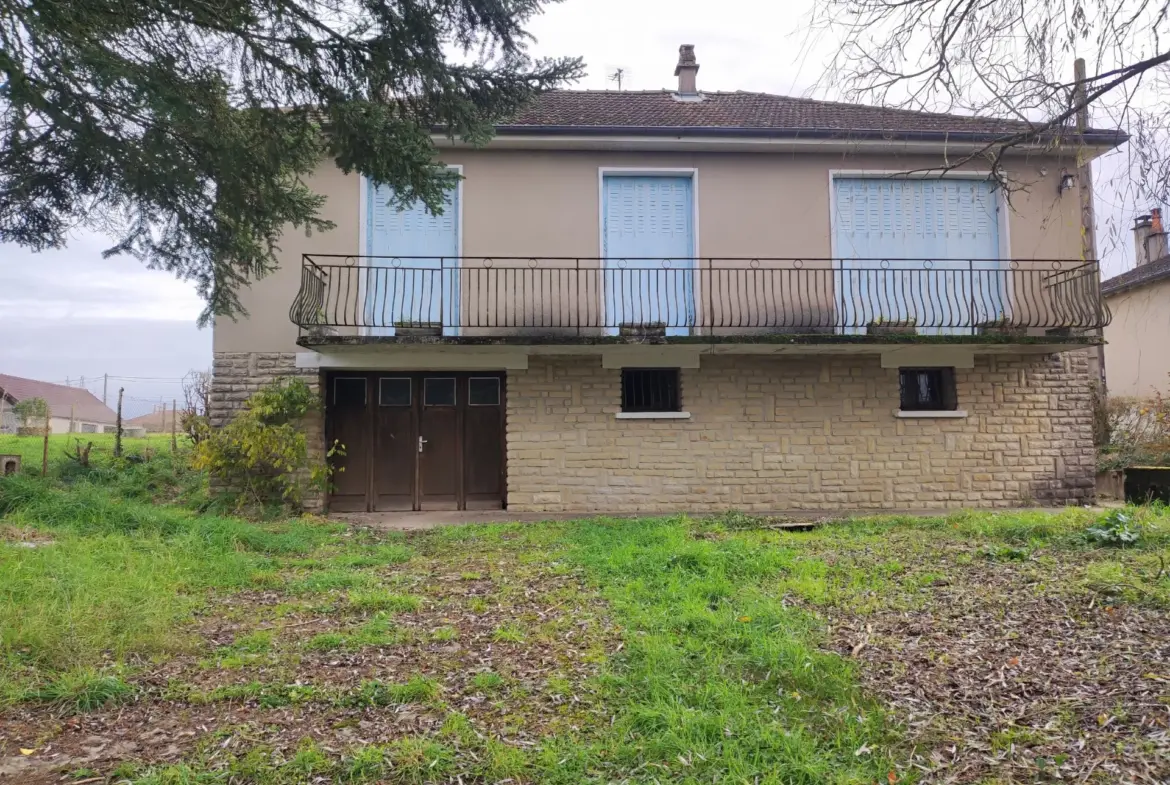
(394, 392)
(438, 392)
(483, 391)
(349, 391)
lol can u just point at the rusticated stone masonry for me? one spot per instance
(236, 375)
(813, 432)
(800, 433)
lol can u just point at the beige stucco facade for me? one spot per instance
(803, 428)
(546, 203)
(1137, 351)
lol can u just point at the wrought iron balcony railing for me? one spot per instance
(479, 296)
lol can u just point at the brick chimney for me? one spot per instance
(686, 70)
(1149, 237)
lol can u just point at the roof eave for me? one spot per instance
(1128, 286)
(1108, 139)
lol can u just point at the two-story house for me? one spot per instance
(688, 300)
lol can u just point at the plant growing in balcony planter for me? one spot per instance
(882, 326)
(1000, 326)
(317, 327)
(642, 329)
(406, 328)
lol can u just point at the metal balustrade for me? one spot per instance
(469, 296)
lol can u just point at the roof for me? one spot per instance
(752, 114)
(159, 420)
(62, 399)
(1157, 270)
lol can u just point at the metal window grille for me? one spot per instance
(928, 389)
(650, 390)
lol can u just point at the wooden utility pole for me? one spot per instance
(174, 427)
(118, 427)
(105, 387)
(1084, 167)
(1088, 219)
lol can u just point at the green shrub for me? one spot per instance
(262, 455)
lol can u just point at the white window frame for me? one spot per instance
(651, 171)
(499, 391)
(1001, 211)
(364, 243)
(410, 387)
(454, 385)
(1002, 206)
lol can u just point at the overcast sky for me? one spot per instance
(69, 313)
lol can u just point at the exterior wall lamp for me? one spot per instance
(1067, 181)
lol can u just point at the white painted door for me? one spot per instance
(649, 248)
(412, 276)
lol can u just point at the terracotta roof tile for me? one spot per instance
(747, 112)
(61, 399)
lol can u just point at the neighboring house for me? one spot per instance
(8, 420)
(74, 409)
(1137, 351)
(158, 421)
(679, 300)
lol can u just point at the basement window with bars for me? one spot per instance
(928, 389)
(650, 390)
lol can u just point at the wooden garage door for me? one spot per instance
(420, 441)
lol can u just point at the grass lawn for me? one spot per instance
(31, 448)
(146, 642)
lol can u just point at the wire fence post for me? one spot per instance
(118, 426)
(45, 447)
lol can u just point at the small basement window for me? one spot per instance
(650, 390)
(928, 389)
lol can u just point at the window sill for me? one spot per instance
(931, 415)
(653, 415)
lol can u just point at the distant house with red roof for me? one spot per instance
(161, 420)
(73, 409)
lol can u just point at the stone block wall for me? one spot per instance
(800, 433)
(236, 375)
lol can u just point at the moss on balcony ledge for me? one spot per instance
(794, 339)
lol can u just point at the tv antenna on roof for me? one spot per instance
(618, 75)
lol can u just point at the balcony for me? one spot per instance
(480, 300)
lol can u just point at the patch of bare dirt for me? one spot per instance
(451, 638)
(1000, 680)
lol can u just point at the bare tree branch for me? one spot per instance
(1013, 59)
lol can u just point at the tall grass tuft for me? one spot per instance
(121, 571)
